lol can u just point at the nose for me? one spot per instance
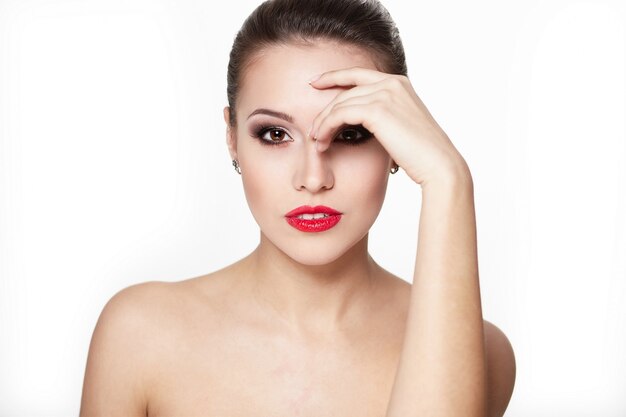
(314, 172)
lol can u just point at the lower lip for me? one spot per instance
(314, 225)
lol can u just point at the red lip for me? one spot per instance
(311, 210)
(313, 225)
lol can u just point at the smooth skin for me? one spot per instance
(443, 369)
(311, 325)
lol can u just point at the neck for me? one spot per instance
(313, 299)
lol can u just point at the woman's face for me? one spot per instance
(277, 104)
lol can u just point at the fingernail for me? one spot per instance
(313, 79)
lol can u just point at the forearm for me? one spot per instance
(442, 365)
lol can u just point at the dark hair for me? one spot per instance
(363, 23)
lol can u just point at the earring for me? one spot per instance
(236, 165)
(394, 169)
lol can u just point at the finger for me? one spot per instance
(352, 112)
(359, 91)
(348, 77)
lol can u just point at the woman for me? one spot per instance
(320, 113)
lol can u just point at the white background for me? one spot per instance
(114, 170)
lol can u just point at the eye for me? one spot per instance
(272, 135)
(353, 135)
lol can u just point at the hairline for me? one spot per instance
(301, 42)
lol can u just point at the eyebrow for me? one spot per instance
(274, 113)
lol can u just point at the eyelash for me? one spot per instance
(263, 129)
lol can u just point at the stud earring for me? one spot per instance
(394, 169)
(236, 165)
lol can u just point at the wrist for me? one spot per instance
(455, 174)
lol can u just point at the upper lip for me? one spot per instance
(311, 210)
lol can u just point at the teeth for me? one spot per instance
(312, 216)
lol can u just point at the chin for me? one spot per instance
(314, 250)
(313, 258)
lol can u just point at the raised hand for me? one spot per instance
(387, 106)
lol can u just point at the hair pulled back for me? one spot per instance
(363, 23)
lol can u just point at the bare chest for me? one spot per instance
(239, 372)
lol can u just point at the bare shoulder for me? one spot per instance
(139, 306)
(501, 369)
(115, 374)
(122, 350)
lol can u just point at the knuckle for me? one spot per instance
(401, 77)
(395, 82)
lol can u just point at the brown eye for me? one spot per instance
(353, 135)
(276, 135)
(272, 135)
(350, 135)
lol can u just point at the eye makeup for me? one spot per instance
(351, 135)
(259, 132)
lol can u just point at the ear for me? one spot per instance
(231, 134)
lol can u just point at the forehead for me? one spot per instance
(278, 76)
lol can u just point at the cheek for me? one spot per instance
(360, 179)
(263, 178)
(366, 179)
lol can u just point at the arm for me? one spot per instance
(442, 368)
